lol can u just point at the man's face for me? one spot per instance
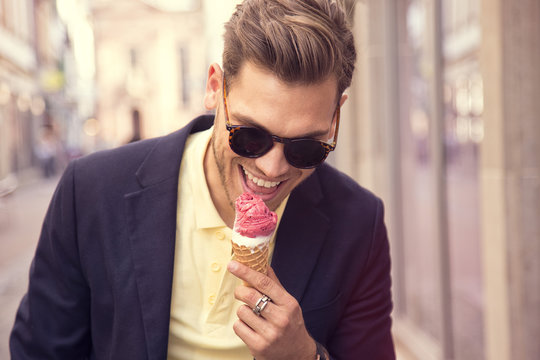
(257, 98)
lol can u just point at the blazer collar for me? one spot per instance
(163, 161)
(151, 221)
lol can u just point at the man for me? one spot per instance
(133, 260)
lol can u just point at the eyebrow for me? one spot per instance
(246, 120)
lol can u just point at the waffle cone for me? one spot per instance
(254, 257)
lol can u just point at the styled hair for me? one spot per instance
(300, 41)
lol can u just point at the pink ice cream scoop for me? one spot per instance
(253, 229)
(253, 217)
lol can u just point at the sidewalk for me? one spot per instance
(21, 216)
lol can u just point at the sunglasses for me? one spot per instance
(253, 142)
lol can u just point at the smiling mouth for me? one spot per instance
(253, 180)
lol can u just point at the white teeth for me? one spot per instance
(261, 182)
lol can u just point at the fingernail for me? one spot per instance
(232, 266)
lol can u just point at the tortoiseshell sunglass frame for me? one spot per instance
(328, 147)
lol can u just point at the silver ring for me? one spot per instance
(261, 304)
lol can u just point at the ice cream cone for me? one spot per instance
(254, 257)
(253, 228)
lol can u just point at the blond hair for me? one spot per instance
(300, 41)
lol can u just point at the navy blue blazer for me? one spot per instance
(100, 281)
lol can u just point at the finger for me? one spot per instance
(259, 281)
(247, 295)
(256, 323)
(250, 297)
(244, 332)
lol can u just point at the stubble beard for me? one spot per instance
(220, 164)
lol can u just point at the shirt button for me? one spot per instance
(212, 299)
(215, 267)
(220, 235)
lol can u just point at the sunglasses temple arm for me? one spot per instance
(334, 143)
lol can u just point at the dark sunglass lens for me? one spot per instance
(305, 153)
(251, 142)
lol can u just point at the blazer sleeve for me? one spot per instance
(364, 332)
(53, 318)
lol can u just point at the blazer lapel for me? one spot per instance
(300, 236)
(151, 216)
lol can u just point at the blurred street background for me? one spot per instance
(20, 222)
(441, 122)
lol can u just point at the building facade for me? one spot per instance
(18, 65)
(442, 123)
(150, 67)
(39, 82)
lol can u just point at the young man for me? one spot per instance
(134, 257)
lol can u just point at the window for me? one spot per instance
(422, 296)
(442, 280)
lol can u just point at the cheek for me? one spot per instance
(227, 159)
(221, 141)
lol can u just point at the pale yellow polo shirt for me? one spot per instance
(203, 307)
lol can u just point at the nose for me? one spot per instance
(273, 164)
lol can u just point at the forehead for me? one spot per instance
(285, 109)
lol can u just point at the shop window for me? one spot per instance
(442, 300)
(419, 214)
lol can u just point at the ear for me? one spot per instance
(212, 95)
(344, 98)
